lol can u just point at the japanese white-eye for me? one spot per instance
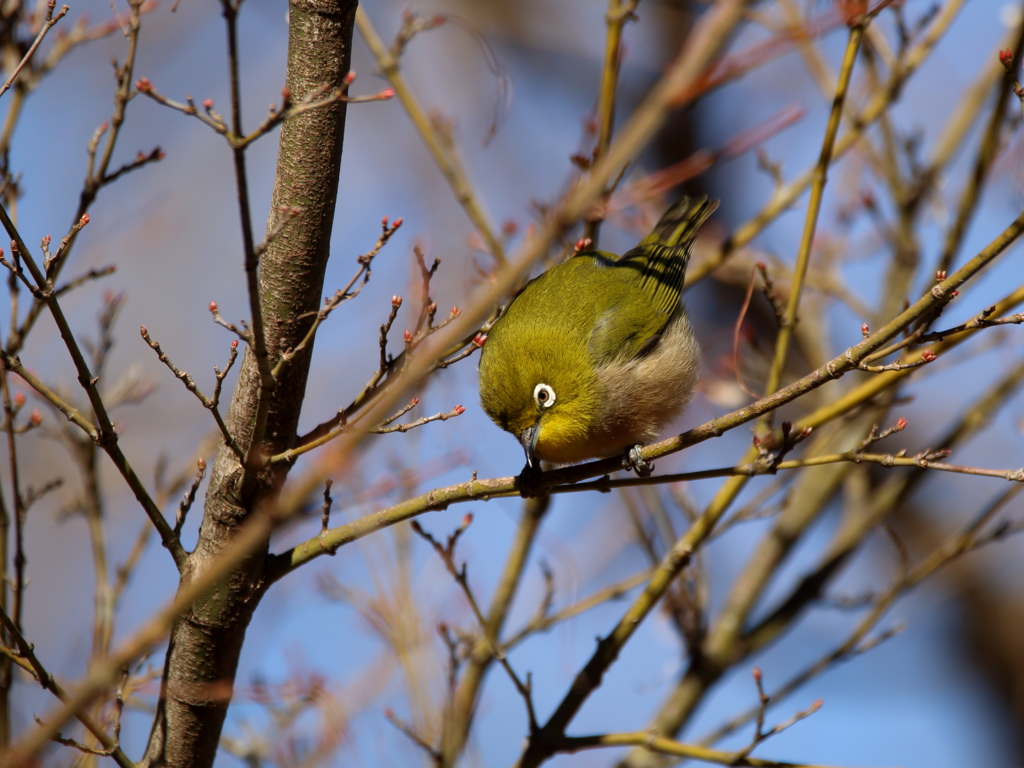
(596, 356)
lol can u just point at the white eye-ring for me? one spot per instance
(544, 395)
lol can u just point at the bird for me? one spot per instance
(594, 357)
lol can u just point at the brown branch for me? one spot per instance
(651, 741)
(618, 14)
(877, 106)
(106, 436)
(445, 158)
(32, 665)
(820, 175)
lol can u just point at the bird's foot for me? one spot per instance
(634, 460)
(530, 482)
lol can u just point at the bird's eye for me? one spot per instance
(544, 395)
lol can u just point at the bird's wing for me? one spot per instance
(649, 281)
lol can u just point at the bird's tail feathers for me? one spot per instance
(679, 224)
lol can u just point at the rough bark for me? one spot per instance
(205, 643)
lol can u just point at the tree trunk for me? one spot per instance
(205, 643)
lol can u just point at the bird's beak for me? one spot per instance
(528, 438)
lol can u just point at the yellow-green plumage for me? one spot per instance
(596, 355)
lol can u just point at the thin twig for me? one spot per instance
(350, 291)
(47, 25)
(447, 554)
(190, 496)
(209, 403)
(383, 429)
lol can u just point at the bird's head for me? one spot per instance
(547, 398)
